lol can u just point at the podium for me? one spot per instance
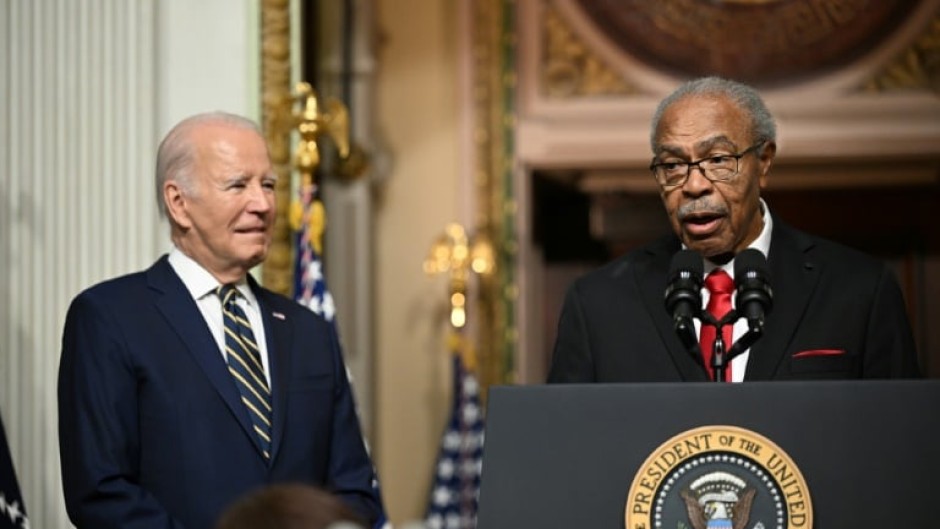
(568, 456)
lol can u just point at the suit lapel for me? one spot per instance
(794, 275)
(181, 312)
(650, 278)
(278, 337)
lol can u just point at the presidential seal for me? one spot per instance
(718, 477)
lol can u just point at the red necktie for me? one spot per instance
(720, 286)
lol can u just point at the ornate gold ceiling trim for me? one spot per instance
(277, 273)
(916, 68)
(570, 68)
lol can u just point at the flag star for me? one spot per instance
(452, 521)
(329, 309)
(441, 496)
(451, 441)
(470, 386)
(435, 521)
(471, 412)
(13, 510)
(315, 271)
(445, 469)
(314, 304)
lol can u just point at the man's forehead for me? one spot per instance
(700, 122)
(228, 140)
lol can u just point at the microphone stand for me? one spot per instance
(720, 358)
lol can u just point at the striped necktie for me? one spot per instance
(244, 363)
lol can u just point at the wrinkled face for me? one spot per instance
(225, 223)
(716, 219)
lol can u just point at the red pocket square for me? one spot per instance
(819, 352)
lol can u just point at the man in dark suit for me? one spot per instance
(184, 386)
(837, 313)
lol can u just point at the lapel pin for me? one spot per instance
(279, 315)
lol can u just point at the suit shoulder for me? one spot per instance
(113, 300)
(159, 276)
(844, 252)
(127, 286)
(842, 257)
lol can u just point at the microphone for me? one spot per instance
(684, 294)
(754, 297)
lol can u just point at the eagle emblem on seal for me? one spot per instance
(718, 500)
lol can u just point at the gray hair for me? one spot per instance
(176, 155)
(745, 97)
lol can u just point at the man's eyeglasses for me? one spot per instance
(717, 168)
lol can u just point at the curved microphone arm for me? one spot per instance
(721, 358)
(685, 329)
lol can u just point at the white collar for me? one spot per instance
(198, 281)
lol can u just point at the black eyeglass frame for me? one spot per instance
(654, 166)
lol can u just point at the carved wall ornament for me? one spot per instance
(759, 42)
(570, 68)
(917, 68)
(275, 89)
(494, 87)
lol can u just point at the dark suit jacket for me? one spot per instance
(152, 431)
(837, 313)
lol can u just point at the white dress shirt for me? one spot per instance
(202, 285)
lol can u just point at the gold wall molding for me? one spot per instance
(570, 68)
(277, 271)
(494, 85)
(916, 68)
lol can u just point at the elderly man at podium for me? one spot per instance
(815, 309)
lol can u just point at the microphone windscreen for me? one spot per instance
(683, 297)
(750, 260)
(752, 278)
(686, 260)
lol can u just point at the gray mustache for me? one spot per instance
(699, 207)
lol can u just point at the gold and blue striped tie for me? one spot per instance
(244, 363)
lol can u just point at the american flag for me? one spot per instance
(12, 509)
(456, 489)
(310, 290)
(309, 284)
